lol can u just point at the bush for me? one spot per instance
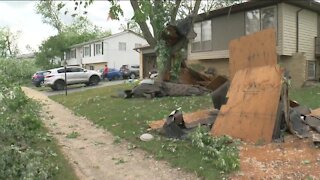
(21, 134)
(222, 151)
(17, 71)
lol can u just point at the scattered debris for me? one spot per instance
(146, 137)
(191, 120)
(161, 89)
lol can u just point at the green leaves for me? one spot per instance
(220, 151)
(115, 10)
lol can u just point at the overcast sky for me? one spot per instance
(21, 16)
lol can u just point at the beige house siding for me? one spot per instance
(207, 54)
(307, 33)
(288, 30)
(288, 38)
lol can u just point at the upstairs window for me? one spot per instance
(122, 46)
(87, 51)
(203, 40)
(98, 49)
(259, 19)
(73, 53)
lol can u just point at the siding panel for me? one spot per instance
(307, 33)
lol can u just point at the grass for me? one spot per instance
(309, 96)
(129, 118)
(65, 170)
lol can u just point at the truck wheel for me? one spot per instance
(94, 80)
(132, 76)
(59, 85)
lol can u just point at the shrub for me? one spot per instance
(222, 151)
(21, 135)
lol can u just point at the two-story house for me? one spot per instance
(115, 50)
(297, 27)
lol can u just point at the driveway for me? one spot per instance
(83, 87)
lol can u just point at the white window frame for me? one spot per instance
(85, 54)
(313, 69)
(73, 54)
(204, 44)
(260, 19)
(98, 50)
(122, 46)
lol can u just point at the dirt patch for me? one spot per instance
(294, 159)
(92, 151)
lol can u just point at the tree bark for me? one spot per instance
(143, 25)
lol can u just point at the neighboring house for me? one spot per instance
(115, 50)
(297, 26)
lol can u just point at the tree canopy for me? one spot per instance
(8, 42)
(80, 30)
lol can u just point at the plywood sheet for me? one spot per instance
(257, 49)
(251, 110)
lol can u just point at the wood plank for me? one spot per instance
(216, 82)
(251, 110)
(257, 49)
(315, 112)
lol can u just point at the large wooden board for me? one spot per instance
(251, 110)
(257, 49)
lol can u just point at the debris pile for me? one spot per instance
(253, 105)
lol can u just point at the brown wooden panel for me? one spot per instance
(257, 49)
(217, 82)
(315, 112)
(251, 110)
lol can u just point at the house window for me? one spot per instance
(87, 51)
(203, 40)
(68, 55)
(260, 19)
(311, 69)
(122, 46)
(73, 53)
(98, 49)
(91, 67)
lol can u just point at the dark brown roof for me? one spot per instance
(254, 4)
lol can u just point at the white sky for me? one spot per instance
(21, 16)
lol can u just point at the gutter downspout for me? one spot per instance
(297, 24)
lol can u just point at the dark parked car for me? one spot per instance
(113, 74)
(38, 78)
(130, 71)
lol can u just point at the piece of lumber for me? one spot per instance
(257, 49)
(216, 82)
(251, 109)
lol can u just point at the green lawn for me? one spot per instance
(307, 96)
(128, 119)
